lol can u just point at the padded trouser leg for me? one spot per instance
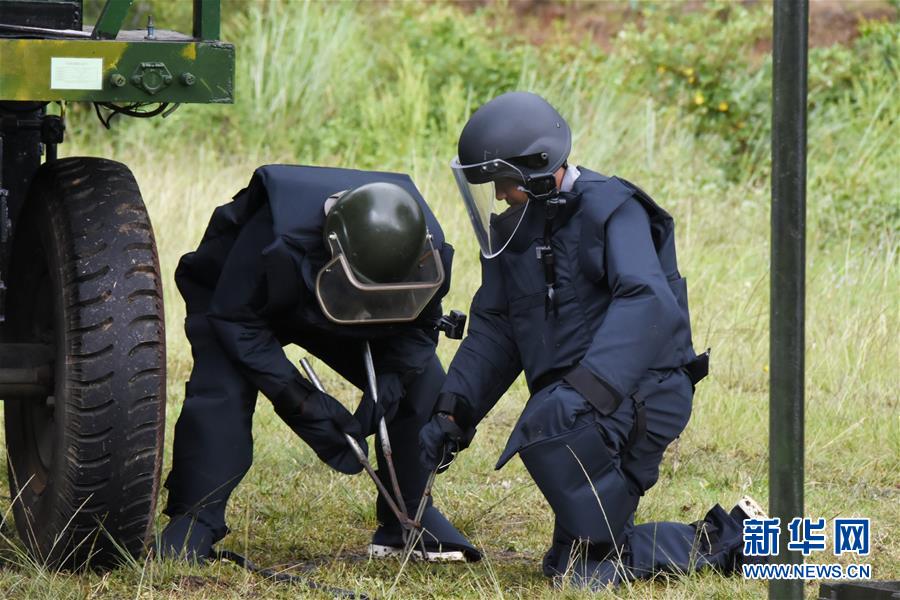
(649, 548)
(213, 446)
(583, 485)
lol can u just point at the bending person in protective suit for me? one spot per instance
(581, 290)
(327, 259)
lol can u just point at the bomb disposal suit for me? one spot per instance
(273, 269)
(580, 290)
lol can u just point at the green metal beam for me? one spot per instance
(788, 274)
(116, 71)
(207, 16)
(111, 19)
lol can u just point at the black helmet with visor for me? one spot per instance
(515, 141)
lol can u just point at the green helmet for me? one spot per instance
(380, 228)
(384, 267)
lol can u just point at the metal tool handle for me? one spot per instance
(360, 455)
(418, 534)
(385, 439)
(311, 375)
(382, 425)
(370, 373)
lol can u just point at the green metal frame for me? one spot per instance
(198, 72)
(207, 16)
(115, 66)
(111, 19)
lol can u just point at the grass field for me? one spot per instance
(407, 80)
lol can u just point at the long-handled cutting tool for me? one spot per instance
(417, 532)
(386, 443)
(361, 457)
(453, 325)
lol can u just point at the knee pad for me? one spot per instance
(582, 483)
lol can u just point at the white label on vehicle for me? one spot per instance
(76, 73)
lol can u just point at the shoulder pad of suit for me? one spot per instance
(601, 196)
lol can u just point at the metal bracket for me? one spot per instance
(52, 128)
(453, 325)
(151, 77)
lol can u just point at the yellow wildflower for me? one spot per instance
(723, 107)
(699, 99)
(661, 69)
(688, 72)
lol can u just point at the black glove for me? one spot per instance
(321, 421)
(390, 391)
(440, 439)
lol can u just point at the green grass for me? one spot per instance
(392, 91)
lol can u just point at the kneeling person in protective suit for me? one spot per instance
(581, 290)
(328, 259)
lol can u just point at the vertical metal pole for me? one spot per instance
(788, 273)
(207, 18)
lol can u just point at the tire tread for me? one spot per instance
(115, 371)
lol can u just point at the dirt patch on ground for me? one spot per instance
(830, 21)
(837, 21)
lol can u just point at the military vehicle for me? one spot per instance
(82, 337)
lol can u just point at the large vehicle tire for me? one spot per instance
(84, 463)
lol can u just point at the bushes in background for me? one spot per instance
(384, 86)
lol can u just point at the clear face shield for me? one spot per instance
(495, 198)
(347, 300)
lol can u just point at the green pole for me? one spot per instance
(788, 272)
(207, 16)
(111, 18)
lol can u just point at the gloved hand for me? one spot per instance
(390, 392)
(440, 439)
(321, 421)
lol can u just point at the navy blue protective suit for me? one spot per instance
(610, 373)
(249, 290)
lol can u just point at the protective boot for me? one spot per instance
(185, 538)
(581, 565)
(648, 549)
(586, 571)
(443, 542)
(747, 508)
(564, 551)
